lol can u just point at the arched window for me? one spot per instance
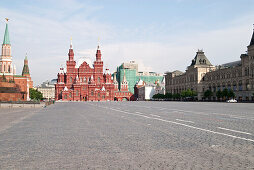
(234, 86)
(240, 85)
(4, 68)
(218, 87)
(247, 85)
(229, 86)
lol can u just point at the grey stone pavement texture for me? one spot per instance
(128, 135)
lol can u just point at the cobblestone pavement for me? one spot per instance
(129, 135)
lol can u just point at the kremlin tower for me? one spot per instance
(19, 84)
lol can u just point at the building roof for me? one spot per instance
(252, 39)
(6, 35)
(82, 60)
(200, 59)
(140, 82)
(232, 64)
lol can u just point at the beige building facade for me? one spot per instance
(47, 89)
(201, 75)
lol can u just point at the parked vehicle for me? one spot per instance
(232, 101)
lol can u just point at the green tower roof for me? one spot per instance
(6, 35)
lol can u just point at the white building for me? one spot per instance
(147, 91)
(47, 89)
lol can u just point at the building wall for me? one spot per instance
(84, 83)
(239, 78)
(10, 92)
(47, 92)
(146, 93)
(132, 77)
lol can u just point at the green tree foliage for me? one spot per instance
(231, 94)
(219, 94)
(168, 96)
(188, 93)
(35, 94)
(225, 93)
(158, 96)
(176, 96)
(208, 94)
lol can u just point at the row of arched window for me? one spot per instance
(6, 68)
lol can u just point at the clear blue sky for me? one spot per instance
(161, 34)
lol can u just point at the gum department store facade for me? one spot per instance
(201, 75)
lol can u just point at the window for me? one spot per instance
(234, 87)
(70, 79)
(70, 95)
(240, 85)
(77, 93)
(99, 79)
(65, 96)
(91, 92)
(218, 88)
(99, 95)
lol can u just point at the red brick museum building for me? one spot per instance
(84, 82)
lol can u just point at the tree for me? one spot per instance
(158, 96)
(188, 93)
(208, 94)
(176, 96)
(219, 94)
(225, 93)
(35, 94)
(231, 94)
(168, 96)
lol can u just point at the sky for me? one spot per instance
(161, 35)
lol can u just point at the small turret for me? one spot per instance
(71, 53)
(124, 83)
(25, 71)
(98, 54)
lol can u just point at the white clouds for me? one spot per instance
(45, 36)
